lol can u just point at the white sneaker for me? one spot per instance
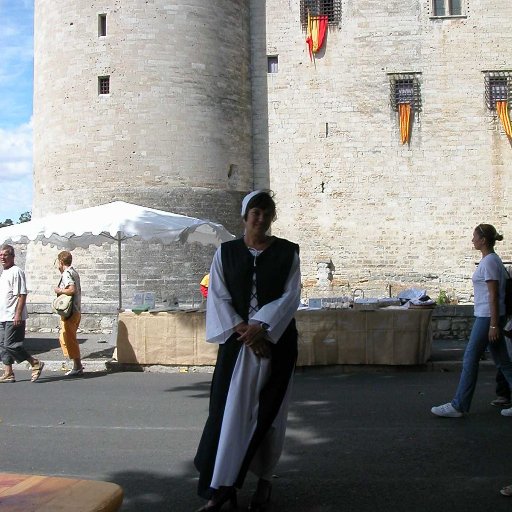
(506, 412)
(447, 411)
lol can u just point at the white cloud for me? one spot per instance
(15, 171)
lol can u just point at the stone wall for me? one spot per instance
(96, 318)
(178, 114)
(174, 132)
(194, 119)
(378, 212)
(452, 322)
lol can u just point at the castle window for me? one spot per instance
(498, 94)
(405, 88)
(405, 96)
(329, 8)
(102, 25)
(272, 64)
(498, 87)
(444, 8)
(103, 85)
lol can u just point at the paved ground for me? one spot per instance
(360, 442)
(96, 349)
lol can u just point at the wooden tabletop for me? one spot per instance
(37, 493)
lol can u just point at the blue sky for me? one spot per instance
(16, 79)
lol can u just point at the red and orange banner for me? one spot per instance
(404, 111)
(502, 109)
(204, 284)
(317, 27)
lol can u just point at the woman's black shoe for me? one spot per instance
(219, 499)
(261, 497)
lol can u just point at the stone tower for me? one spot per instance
(146, 101)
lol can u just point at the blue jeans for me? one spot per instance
(478, 340)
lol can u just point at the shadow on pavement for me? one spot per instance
(363, 443)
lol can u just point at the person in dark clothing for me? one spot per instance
(253, 294)
(502, 391)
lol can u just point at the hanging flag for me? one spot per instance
(502, 109)
(404, 111)
(309, 37)
(204, 284)
(315, 35)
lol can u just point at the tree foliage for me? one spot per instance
(24, 217)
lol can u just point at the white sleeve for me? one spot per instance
(221, 317)
(279, 313)
(67, 279)
(19, 283)
(492, 269)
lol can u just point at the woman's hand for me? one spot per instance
(494, 334)
(241, 328)
(254, 338)
(261, 348)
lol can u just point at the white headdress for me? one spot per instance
(247, 198)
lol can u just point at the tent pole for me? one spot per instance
(119, 268)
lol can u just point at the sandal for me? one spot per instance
(7, 377)
(75, 372)
(36, 371)
(507, 491)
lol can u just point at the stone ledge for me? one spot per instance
(453, 310)
(448, 322)
(87, 308)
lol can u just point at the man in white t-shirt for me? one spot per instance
(13, 314)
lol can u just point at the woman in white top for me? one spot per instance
(489, 282)
(253, 294)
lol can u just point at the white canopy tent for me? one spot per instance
(116, 221)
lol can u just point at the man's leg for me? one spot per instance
(8, 375)
(14, 336)
(5, 354)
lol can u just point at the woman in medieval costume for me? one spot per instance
(253, 295)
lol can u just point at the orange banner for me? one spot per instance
(404, 110)
(317, 27)
(502, 109)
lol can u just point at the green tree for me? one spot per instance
(6, 222)
(25, 217)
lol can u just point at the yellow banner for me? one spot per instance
(502, 109)
(404, 110)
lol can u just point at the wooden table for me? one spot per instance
(37, 493)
